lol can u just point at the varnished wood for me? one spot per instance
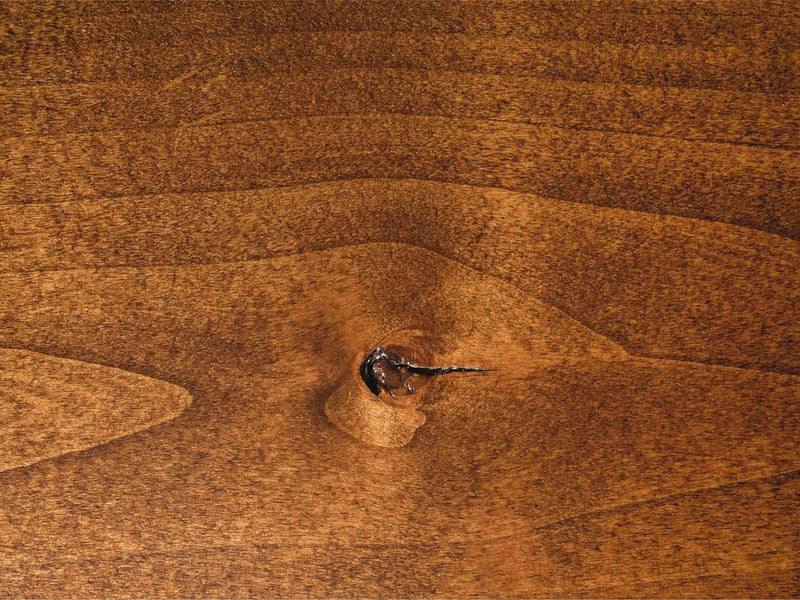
(53, 406)
(597, 201)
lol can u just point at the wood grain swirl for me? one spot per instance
(599, 201)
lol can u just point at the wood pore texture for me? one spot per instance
(600, 201)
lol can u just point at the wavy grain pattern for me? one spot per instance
(599, 201)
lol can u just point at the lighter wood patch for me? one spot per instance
(50, 406)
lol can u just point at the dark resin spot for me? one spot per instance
(399, 370)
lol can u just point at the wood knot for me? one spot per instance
(385, 370)
(377, 402)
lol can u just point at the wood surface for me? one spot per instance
(600, 201)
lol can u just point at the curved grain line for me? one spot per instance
(13, 87)
(794, 91)
(370, 113)
(655, 499)
(74, 389)
(385, 177)
(215, 59)
(562, 310)
(323, 183)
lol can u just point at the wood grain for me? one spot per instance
(601, 202)
(53, 406)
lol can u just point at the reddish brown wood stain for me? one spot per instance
(598, 200)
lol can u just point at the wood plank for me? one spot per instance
(237, 202)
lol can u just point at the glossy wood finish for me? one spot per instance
(600, 201)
